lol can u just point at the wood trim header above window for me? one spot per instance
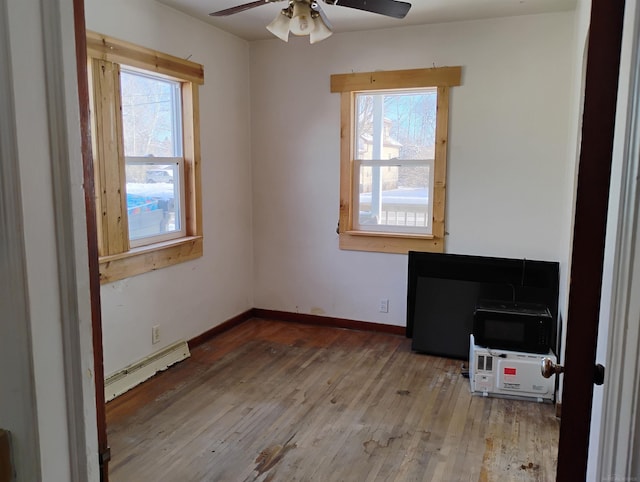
(397, 79)
(120, 52)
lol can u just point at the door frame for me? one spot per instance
(18, 413)
(619, 455)
(47, 298)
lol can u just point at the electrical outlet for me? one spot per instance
(384, 305)
(155, 334)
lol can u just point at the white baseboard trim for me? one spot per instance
(136, 373)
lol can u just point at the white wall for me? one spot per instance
(190, 298)
(509, 171)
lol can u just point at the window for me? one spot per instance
(152, 135)
(144, 107)
(393, 158)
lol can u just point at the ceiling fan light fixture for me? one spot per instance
(305, 17)
(301, 21)
(281, 24)
(321, 30)
(301, 17)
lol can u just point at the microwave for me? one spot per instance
(523, 327)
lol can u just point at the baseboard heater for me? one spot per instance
(136, 373)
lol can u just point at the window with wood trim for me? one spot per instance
(145, 133)
(393, 129)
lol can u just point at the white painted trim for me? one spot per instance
(62, 108)
(136, 373)
(18, 412)
(619, 455)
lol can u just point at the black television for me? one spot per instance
(444, 289)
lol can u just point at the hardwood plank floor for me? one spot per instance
(280, 401)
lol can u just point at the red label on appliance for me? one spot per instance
(509, 371)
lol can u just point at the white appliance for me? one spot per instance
(512, 374)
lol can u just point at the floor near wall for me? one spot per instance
(281, 401)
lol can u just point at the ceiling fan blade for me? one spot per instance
(390, 8)
(240, 8)
(316, 7)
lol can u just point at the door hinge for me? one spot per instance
(105, 456)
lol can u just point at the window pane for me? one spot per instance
(396, 125)
(395, 198)
(151, 115)
(153, 200)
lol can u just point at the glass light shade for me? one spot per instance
(320, 32)
(280, 25)
(301, 21)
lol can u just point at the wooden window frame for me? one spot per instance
(117, 259)
(347, 85)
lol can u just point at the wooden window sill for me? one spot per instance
(144, 259)
(390, 242)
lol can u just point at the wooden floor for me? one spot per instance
(276, 401)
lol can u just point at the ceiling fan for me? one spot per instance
(305, 17)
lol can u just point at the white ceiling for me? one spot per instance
(250, 24)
